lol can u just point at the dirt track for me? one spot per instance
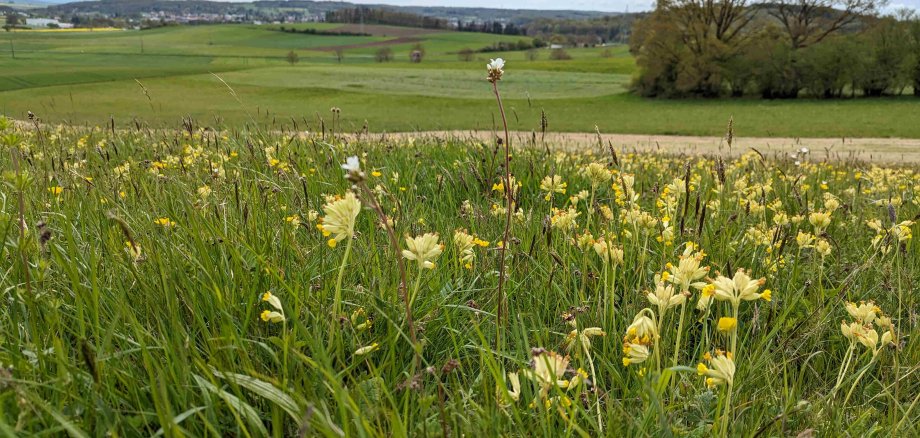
(883, 150)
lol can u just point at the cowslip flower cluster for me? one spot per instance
(340, 218)
(464, 243)
(720, 371)
(423, 249)
(276, 315)
(640, 337)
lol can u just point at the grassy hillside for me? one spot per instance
(87, 77)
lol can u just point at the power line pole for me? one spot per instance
(12, 49)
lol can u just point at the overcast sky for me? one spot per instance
(586, 5)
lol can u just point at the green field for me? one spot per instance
(232, 284)
(89, 77)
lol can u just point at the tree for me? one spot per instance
(292, 58)
(384, 54)
(465, 54)
(687, 42)
(808, 22)
(12, 20)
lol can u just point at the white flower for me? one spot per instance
(495, 70)
(352, 164)
(496, 64)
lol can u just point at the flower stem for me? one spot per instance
(499, 313)
(727, 411)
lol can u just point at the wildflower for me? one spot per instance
(294, 220)
(352, 168)
(864, 312)
(596, 173)
(204, 191)
(271, 316)
(56, 190)
(823, 247)
(805, 240)
(548, 370)
(634, 353)
(514, 390)
(424, 249)
(164, 222)
(739, 288)
(583, 337)
(367, 350)
(496, 70)
(727, 324)
(820, 220)
(688, 270)
(706, 296)
(642, 328)
(340, 217)
(134, 249)
(273, 300)
(564, 219)
(552, 184)
(664, 296)
(721, 369)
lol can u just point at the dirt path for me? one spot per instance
(883, 150)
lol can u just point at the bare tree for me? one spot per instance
(808, 22)
(706, 21)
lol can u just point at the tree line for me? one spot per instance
(785, 49)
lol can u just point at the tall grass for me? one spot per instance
(133, 297)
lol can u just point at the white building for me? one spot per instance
(46, 22)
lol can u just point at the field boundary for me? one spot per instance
(879, 150)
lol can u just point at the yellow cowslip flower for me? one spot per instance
(805, 240)
(583, 337)
(820, 220)
(271, 316)
(643, 328)
(602, 249)
(424, 249)
(564, 219)
(134, 249)
(706, 296)
(634, 353)
(340, 217)
(164, 222)
(664, 296)
(688, 270)
(367, 350)
(514, 387)
(596, 173)
(204, 191)
(552, 184)
(823, 247)
(727, 324)
(463, 244)
(294, 220)
(721, 369)
(548, 370)
(864, 312)
(56, 190)
(739, 288)
(272, 300)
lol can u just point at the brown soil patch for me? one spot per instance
(880, 150)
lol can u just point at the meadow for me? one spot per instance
(233, 74)
(260, 282)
